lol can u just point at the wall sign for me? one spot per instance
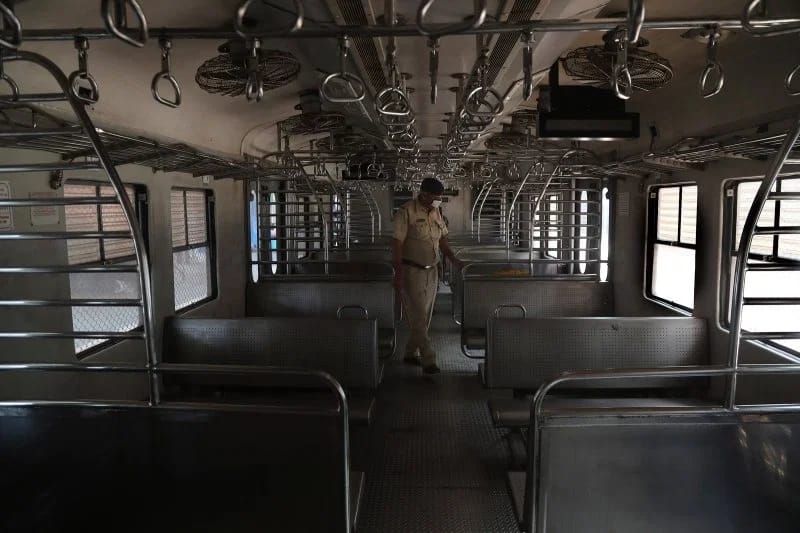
(6, 218)
(44, 215)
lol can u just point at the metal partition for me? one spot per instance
(129, 230)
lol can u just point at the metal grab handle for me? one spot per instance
(620, 68)
(352, 306)
(471, 106)
(747, 23)
(11, 20)
(166, 74)
(476, 21)
(712, 66)
(254, 88)
(790, 81)
(433, 68)
(12, 85)
(113, 13)
(510, 306)
(635, 20)
(241, 13)
(350, 79)
(527, 66)
(82, 74)
(401, 102)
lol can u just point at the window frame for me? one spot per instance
(140, 206)
(730, 247)
(210, 243)
(651, 240)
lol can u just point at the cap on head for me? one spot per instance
(432, 186)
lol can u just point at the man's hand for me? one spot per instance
(458, 264)
(397, 282)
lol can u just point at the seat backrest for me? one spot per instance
(313, 297)
(209, 468)
(541, 298)
(689, 473)
(525, 353)
(347, 349)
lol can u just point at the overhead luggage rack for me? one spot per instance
(30, 128)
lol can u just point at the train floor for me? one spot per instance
(433, 461)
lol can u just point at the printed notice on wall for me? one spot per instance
(6, 218)
(44, 215)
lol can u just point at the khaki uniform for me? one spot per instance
(420, 231)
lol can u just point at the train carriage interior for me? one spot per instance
(201, 327)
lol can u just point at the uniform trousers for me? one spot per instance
(418, 295)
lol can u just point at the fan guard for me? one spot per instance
(594, 64)
(226, 73)
(347, 141)
(312, 119)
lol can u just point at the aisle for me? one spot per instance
(433, 461)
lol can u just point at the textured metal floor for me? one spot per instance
(433, 461)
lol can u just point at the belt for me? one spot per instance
(417, 265)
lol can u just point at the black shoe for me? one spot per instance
(412, 360)
(431, 369)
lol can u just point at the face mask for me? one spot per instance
(436, 203)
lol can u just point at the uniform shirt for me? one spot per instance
(420, 231)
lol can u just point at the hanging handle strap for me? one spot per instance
(91, 94)
(621, 79)
(433, 67)
(713, 77)
(527, 65)
(166, 74)
(14, 96)
(635, 20)
(114, 14)
(350, 79)
(477, 19)
(241, 15)
(11, 21)
(254, 89)
(771, 31)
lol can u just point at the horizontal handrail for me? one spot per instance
(63, 235)
(85, 302)
(67, 269)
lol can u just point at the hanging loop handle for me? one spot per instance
(241, 14)
(166, 74)
(635, 20)
(433, 67)
(474, 22)
(91, 94)
(713, 77)
(350, 79)
(114, 15)
(621, 79)
(11, 21)
(14, 96)
(789, 83)
(254, 89)
(771, 31)
(527, 65)
(396, 105)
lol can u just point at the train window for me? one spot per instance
(192, 249)
(253, 219)
(101, 251)
(605, 211)
(671, 244)
(765, 249)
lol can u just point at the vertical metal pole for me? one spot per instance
(513, 205)
(480, 210)
(744, 252)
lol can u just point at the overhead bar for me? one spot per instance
(333, 31)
